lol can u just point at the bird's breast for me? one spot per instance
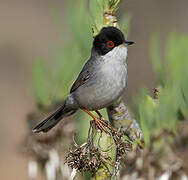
(107, 82)
(107, 85)
(114, 79)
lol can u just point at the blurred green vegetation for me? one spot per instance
(171, 106)
(99, 9)
(51, 82)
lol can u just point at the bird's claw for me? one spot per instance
(102, 125)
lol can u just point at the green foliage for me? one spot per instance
(41, 84)
(80, 24)
(124, 24)
(163, 113)
(51, 83)
(98, 8)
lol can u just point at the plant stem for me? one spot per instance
(105, 144)
(120, 117)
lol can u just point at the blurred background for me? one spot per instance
(30, 30)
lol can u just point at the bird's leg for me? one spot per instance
(99, 114)
(98, 122)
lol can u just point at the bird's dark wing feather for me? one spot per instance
(83, 77)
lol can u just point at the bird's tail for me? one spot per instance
(49, 122)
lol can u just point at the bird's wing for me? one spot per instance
(84, 76)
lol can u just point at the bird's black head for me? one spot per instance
(107, 39)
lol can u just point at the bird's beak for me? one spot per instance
(128, 43)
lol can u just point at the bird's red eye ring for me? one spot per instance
(110, 44)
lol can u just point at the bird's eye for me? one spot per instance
(110, 44)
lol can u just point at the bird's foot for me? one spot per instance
(105, 123)
(101, 124)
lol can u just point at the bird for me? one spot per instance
(100, 83)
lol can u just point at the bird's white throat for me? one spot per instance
(119, 53)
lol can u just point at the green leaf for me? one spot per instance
(125, 24)
(40, 83)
